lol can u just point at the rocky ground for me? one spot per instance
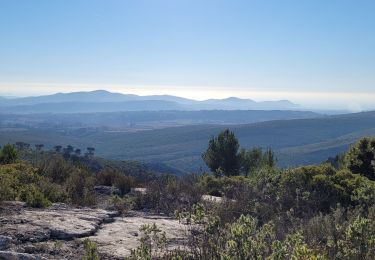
(58, 232)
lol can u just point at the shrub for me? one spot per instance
(358, 241)
(312, 189)
(107, 177)
(34, 197)
(6, 190)
(169, 193)
(8, 154)
(80, 186)
(122, 205)
(110, 177)
(53, 192)
(152, 243)
(55, 168)
(91, 250)
(124, 183)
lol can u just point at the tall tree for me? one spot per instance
(269, 158)
(251, 160)
(222, 154)
(38, 149)
(360, 158)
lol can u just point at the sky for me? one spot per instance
(319, 53)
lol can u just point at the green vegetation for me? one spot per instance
(309, 212)
(91, 250)
(112, 177)
(34, 197)
(55, 177)
(152, 244)
(8, 154)
(295, 142)
(222, 154)
(223, 157)
(361, 158)
(260, 211)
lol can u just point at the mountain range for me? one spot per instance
(104, 101)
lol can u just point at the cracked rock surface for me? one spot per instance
(120, 236)
(57, 232)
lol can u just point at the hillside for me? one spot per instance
(294, 141)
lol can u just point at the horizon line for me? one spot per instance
(348, 100)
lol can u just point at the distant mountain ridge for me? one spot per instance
(105, 101)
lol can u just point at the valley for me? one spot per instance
(295, 142)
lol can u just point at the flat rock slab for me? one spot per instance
(52, 233)
(10, 255)
(5, 242)
(122, 235)
(40, 225)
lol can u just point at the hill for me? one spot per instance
(104, 101)
(295, 142)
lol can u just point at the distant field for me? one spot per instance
(302, 141)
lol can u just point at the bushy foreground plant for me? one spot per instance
(242, 239)
(168, 193)
(310, 212)
(23, 182)
(80, 188)
(152, 244)
(34, 197)
(348, 236)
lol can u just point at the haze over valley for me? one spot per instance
(171, 132)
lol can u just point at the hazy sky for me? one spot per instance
(319, 53)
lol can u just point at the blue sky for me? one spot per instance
(311, 52)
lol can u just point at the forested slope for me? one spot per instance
(294, 141)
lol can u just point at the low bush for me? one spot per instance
(80, 188)
(7, 192)
(110, 177)
(8, 154)
(152, 244)
(53, 192)
(91, 250)
(34, 197)
(124, 183)
(170, 193)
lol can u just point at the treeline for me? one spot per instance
(67, 151)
